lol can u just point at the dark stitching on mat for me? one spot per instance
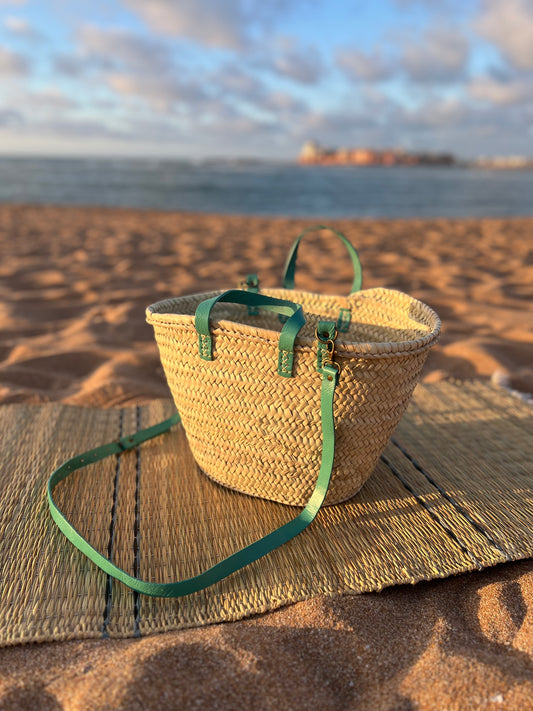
(109, 581)
(457, 506)
(136, 538)
(433, 515)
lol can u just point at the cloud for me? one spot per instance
(79, 128)
(280, 101)
(337, 128)
(464, 128)
(235, 93)
(10, 117)
(221, 135)
(230, 78)
(234, 87)
(131, 65)
(161, 93)
(440, 57)
(366, 67)
(498, 91)
(35, 106)
(51, 98)
(114, 48)
(285, 57)
(509, 25)
(436, 115)
(12, 63)
(69, 65)
(448, 125)
(60, 131)
(226, 24)
(431, 5)
(215, 23)
(454, 125)
(153, 129)
(302, 64)
(22, 28)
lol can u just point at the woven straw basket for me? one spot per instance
(260, 434)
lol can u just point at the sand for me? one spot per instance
(74, 285)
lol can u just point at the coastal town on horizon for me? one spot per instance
(312, 153)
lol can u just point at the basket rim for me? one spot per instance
(155, 315)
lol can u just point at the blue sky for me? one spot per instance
(256, 78)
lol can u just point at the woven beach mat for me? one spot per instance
(453, 492)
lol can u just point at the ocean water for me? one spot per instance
(262, 188)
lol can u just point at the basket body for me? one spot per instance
(258, 433)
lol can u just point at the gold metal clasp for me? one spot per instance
(329, 342)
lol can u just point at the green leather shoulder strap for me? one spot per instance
(290, 265)
(239, 559)
(234, 562)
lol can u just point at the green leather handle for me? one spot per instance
(283, 307)
(290, 265)
(234, 562)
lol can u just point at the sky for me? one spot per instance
(257, 78)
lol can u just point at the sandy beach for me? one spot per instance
(74, 284)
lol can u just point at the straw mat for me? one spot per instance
(452, 493)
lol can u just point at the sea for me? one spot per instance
(268, 188)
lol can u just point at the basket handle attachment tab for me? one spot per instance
(288, 309)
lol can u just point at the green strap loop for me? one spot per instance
(288, 334)
(234, 562)
(251, 283)
(290, 266)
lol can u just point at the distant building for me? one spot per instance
(310, 153)
(362, 156)
(314, 154)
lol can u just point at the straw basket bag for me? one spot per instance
(260, 434)
(283, 394)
